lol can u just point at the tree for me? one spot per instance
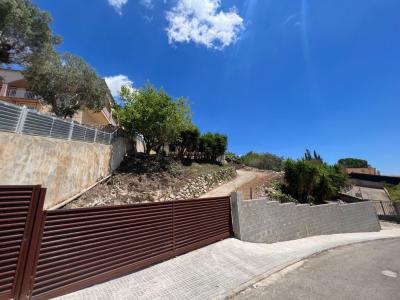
(154, 115)
(315, 156)
(188, 141)
(24, 30)
(212, 145)
(66, 82)
(353, 163)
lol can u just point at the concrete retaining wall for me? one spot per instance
(264, 221)
(119, 149)
(366, 183)
(65, 168)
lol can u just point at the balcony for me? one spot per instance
(108, 116)
(19, 93)
(11, 92)
(31, 103)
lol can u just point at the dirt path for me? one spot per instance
(243, 178)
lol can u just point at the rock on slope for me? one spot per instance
(152, 179)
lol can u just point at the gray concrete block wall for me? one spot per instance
(265, 221)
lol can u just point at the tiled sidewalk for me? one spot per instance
(218, 270)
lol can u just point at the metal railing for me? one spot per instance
(23, 120)
(387, 210)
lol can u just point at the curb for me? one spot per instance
(230, 294)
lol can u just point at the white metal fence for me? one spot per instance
(19, 119)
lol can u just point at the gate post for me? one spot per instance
(397, 209)
(236, 207)
(25, 291)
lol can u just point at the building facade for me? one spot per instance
(14, 89)
(368, 171)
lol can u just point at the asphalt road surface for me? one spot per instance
(369, 270)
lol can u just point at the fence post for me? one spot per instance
(173, 228)
(383, 208)
(52, 124)
(71, 129)
(236, 201)
(22, 118)
(95, 136)
(110, 138)
(397, 209)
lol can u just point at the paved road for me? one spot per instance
(365, 271)
(242, 178)
(218, 270)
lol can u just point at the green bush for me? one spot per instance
(394, 192)
(278, 193)
(310, 181)
(264, 161)
(232, 156)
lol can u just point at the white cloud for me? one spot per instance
(203, 22)
(115, 83)
(147, 3)
(117, 4)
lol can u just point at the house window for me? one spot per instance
(12, 92)
(29, 95)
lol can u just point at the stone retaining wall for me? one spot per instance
(265, 221)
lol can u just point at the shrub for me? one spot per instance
(278, 193)
(264, 161)
(394, 192)
(232, 156)
(310, 181)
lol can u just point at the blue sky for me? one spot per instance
(275, 76)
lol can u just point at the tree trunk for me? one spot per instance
(148, 151)
(147, 148)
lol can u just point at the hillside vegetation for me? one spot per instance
(394, 192)
(141, 178)
(261, 161)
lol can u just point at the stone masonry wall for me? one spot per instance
(265, 221)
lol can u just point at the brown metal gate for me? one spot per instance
(72, 249)
(18, 207)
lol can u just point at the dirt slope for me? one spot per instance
(251, 183)
(143, 179)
